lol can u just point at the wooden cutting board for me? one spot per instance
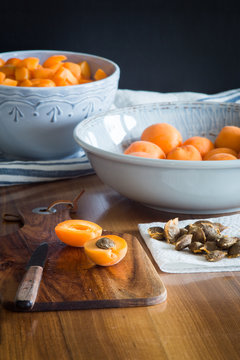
(70, 281)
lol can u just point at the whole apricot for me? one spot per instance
(184, 152)
(153, 150)
(229, 137)
(166, 136)
(222, 156)
(219, 150)
(203, 144)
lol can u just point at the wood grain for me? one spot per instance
(70, 280)
(28, 288)
(199, 320)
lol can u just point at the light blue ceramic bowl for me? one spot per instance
(38, 123)
(197, 187)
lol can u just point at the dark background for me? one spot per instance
(160, 46)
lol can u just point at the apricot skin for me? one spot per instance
(166, 136)
(184, 152)
(229, 137)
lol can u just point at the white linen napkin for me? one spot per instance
(24, 172)
(172, 261)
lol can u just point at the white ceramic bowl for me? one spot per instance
(38, 123)
(200, 187)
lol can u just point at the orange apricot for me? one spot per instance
(85, 70)
(166, 136)
(70, 77)
(229, 137)
(53, 60)
(222, 156)
(30, 63)
(2, 77)
(76, 232)
(219, 150)
(100, 74)
(9, 82)
(185, 152)
(42, 83)
(84, 81)
(12, 61)
(21, 73)
(54, 72)
(43, 73)
(203, 144)
(142, 154)
(66, 75)
(61, 82)
(8, 70)
(74, 68)
(55, 67)
(106, 250)
(146, 147)
(25, 83)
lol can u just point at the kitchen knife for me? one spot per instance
(28, 288)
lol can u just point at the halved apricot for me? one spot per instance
(106, 250)
(76, 232)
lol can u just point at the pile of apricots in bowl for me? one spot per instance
(54, 71)
(44, 94)
(164, 141)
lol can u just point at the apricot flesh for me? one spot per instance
(106, 257)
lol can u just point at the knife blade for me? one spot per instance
(28, 288)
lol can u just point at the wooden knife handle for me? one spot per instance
(28, 288)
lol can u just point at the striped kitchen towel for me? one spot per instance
(24, 172)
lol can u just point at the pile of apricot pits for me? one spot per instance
(164, 141)
(55, 71)
(103, 250)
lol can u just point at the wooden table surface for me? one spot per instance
(199, 320)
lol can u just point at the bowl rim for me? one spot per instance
(63, 52)
(148, 162)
